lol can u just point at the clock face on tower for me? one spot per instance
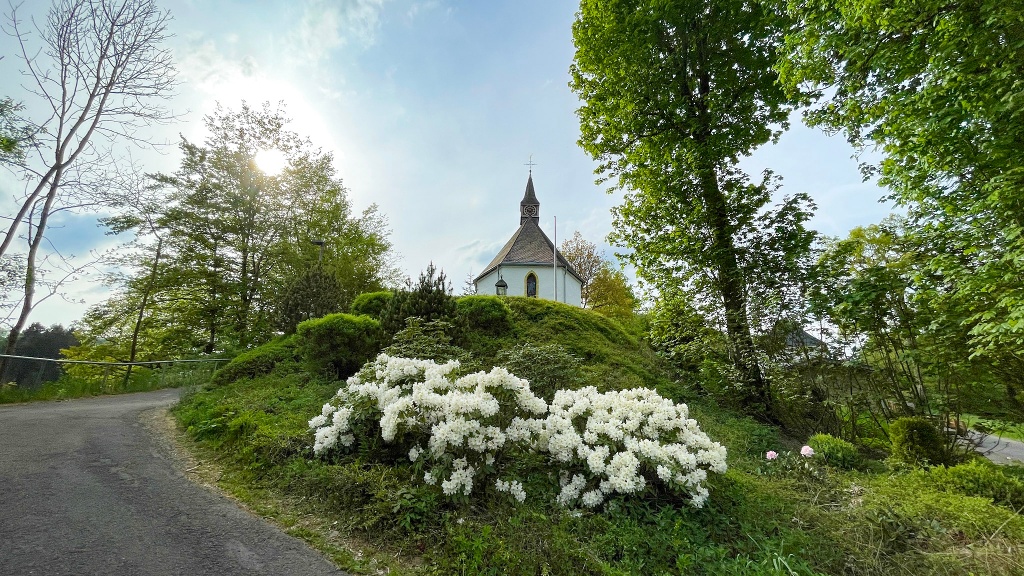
(529, 210)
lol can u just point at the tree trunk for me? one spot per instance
(142, 309)
(755, 394)
(30, 273)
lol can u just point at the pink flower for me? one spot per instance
(807, 451)
(771, 455)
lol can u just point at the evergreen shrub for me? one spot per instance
(430, 299)
(256, 362)
(915, 440)
(313, 294)
(371, 303)
(982, 479)
(489, 314)
(834, 451)
(337, 345)
(429, 341)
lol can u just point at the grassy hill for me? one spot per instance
(793, 515)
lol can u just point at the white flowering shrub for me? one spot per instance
(460, 431)
(456, 426)
(615, 442)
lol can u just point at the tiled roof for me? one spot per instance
(529, 246)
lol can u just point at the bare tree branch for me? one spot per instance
(105, 75)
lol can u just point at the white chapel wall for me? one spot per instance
(569, 290)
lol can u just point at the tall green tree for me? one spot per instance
(674, 93)
(611, 294)
(225, 240)
(937, 86)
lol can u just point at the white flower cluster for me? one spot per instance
(465, 421)
(514, 487)
(608, 441)
(603, 443)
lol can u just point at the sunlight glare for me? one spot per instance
(271, 162)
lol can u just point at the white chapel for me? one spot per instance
(525, 266)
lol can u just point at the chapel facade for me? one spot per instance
(525, 266)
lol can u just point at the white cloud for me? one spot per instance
(418, 7)
(326, 26)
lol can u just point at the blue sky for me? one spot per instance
(431, 108)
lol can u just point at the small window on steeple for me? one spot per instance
(531, 285)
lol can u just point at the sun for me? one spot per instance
(271, 162)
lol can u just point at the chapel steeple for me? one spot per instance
(530, 206)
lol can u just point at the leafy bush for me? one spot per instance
(548, 367)
(371, 303)
(915, 440)
(875, 447)
(488, 314)
(338, 344)
(983, 479)
(834, 451)
(256, 362)
(428, 341)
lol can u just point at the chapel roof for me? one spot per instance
(529, 246)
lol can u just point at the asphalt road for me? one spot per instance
(1000, 450)
(87, 488)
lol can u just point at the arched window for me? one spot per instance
(531, 285)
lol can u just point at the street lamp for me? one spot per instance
(320, 243)
(501, 287)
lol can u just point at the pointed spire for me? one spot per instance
(530, 206)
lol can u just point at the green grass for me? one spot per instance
(370, 513)
(994, 426)
(142, 380)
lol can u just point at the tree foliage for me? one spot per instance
(16, 134)
(674, 93)
(312, 294)
(226, 248)
(38, 341)
(584, 258)
(936, 86)
(611, 294)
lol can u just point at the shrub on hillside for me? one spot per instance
(427, 341)
(430, 299)
(834, 451)
(338, 344)
(915, 440)
(980, 479)
(313, 294)
(466, 431)
(487, 314)
(256, 362)
(371, 303)
(548, 367)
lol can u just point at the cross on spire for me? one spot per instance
(531, 164)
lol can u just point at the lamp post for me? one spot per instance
(320, 257)
(501, 287)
